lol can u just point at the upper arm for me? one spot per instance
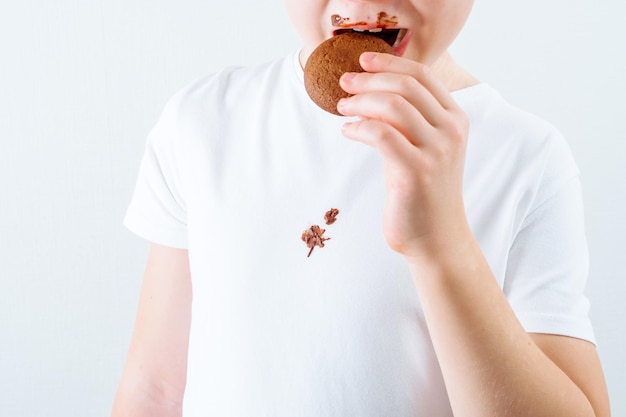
(156, 364)
(579, 360)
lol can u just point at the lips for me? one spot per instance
(396, 37)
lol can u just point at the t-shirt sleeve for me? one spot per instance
(548, 260)
(157, 210)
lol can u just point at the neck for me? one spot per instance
(453, 76)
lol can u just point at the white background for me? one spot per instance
(82, 82)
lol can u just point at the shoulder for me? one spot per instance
(225, 87)
(493, 114)
(215, 99)
(520, 154)
(517, 135)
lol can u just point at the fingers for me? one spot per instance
(402, 100)
(401, 85)
(390, 143)
(377, 62)
(391, 109)
(403, 93)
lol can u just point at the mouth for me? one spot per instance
(393, 36)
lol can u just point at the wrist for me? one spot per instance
(450, 254)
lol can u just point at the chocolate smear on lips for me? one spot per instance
(386, 27)
(383, 20)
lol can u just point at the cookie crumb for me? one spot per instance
(314, 236)
(331, 216)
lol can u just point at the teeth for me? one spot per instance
(374, 30)
(401, 35)
(393, 36)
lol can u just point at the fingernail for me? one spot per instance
(367, 56)
(348, 76)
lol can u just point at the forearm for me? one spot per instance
(491, 366)
(154, 378)
(137, 398)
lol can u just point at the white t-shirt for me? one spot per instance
(242, 162)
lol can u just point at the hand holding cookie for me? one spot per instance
(409, 116)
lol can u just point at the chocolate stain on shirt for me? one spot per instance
(314, 235)
(331, 216)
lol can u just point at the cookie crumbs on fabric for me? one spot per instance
(314, 236)
(331, 216)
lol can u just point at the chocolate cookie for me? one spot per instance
(331, 59)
